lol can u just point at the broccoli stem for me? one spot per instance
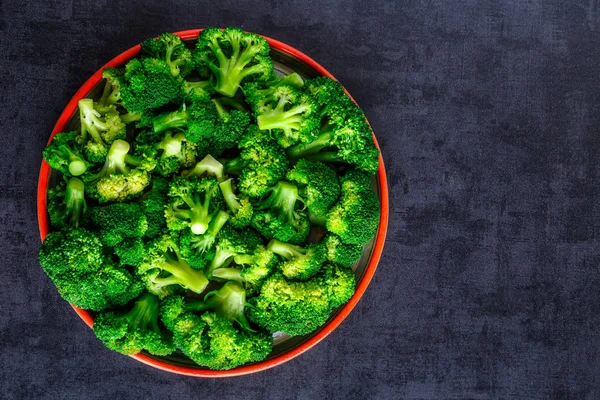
(110, 94)
(182, 274)
(230, 198)
(328, 156)
(284, 198)
(286, 250)
(305, 149)
(228, 274)
(214, 227)
(75, 201)
(115, 160)
(77, 165)
(242, 259)
(208, 165)
(171, 145)
(90, 121)
(280, 119)
(170, 120)
(144, 314)
(234, 167)
(130, 117)
(227, 101)
(222, 259)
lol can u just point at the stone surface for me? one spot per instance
(487, 114)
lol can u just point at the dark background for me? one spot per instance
(487, 113)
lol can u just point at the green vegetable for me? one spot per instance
(64, 154)
(66, 204)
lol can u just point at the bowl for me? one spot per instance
(286, 60)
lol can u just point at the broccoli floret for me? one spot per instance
(154, 207)
(230, 244)
(117, 181)
(194, 203)
(240, 208)
(296, 308)
(291, 115)
(262, 162)
(355, 217)
(208, 166)
(341, 253)
(164, 270)
(340, 284)
(119, 221)
(136, 330)
(148, 83)
(280, 216)
(300, 262)
(319, 187)
(255, 269)
(175, 153)
(98, 131)
(199, 249)
(66, 204)
(75, 262)
(256, 92)
(232, 56)
(64, 154)
(197, 91)
(130, 251)
(170, 49)
(231, 124)
(111, 95)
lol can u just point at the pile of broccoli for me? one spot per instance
(206, 203)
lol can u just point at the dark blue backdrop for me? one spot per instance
(488, 116)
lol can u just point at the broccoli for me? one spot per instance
(232, 56)
(119, 221)
(319, 186)
(298, 308)
(101, 129)
(199, 249)
(256, 92)
(262, 162)
(64, 154)
(291, 115)
(341, 253)
(154, 207)
(255, 269)
(194, 203)
(197, 91)
(130, 251)
(117, 181)
(111, 94)
(136, 330)
(300, 262)
(163, 269)
(176, 153)
(240, 207)
(75, 262)
(148, 83)
(355, 217)
(280, 215)
(66, 204)
(230, 244)
(344, 136)
(170, 49)
(208, 166)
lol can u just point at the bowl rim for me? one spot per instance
(43, 223)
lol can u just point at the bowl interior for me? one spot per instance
(284, 64)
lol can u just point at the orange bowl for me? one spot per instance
(287, 59)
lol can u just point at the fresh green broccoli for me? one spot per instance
(230, 244)
(148, 83)
(136, 330)
(170, 49)
(175, 153)
(119, 221)
(199, 249)
(111, 94)
(341, 253)
(256, 92)
(255, 269)
(262, 162)
(130, 251)
(319, 187)
(197, 91)
(116, 181)
(298, 308)
(75, 262)
(64, 154)
(208, 166)
(164, 270)
(232, 56)
(290, 114)
(66, 204)
(194, 203)
(345, 135)
(240, 208)
(98, 131)
(355, 217)
(280, 215)
(299, 262)
(154, 207)
(231, 125)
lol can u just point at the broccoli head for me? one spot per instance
(137, 329)
(231, 57)
(97, 130)
(199, 249)
(119, 221)
(175, 153)
(170, 49)
(130, 251)
(64, 154)
(231, 243)
(341, 253)
(66, 204)
(256, 267)
(299, 262)
(154, 206)
(355, 217)
(241, 208)
(280, 215)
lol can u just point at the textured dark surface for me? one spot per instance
(487, 113)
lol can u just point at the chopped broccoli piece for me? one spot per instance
(170, 49)
(119, 221)
(208, 166)
(300, 262)
(341, 253)
(230, 244)
(240, 207)
(66, 204)
(64, 154)
(255, 269)
(98, 131)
